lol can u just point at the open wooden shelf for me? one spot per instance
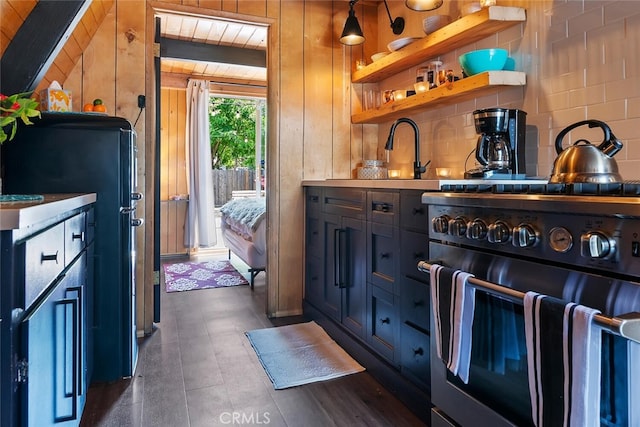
(463, 31)
(449, 93)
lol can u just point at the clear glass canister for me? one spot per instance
(433, 69)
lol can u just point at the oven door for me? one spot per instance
(497, 393)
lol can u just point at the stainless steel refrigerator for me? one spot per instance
(89, 153)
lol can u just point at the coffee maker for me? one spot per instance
(500, 148)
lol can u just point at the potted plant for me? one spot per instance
(12, 107)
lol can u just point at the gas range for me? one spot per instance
(574, 242)
(538, 186)
(588, 226)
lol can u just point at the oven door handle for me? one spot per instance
(626, 325)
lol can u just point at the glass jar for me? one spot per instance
(433, 70)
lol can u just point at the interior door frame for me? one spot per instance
(152, 121)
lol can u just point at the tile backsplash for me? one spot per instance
(581, 61)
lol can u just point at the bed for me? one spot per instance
(244, 231)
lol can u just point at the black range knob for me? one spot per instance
(499, 232)
(477, 230)
(458, 226)
(440, 224)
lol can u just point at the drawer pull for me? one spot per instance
(385, 255)
(385, 320)
(53, 257)
(75, 236)
(314, 198)
(418, 351)
(418, 303)
(381, 207)
(418, 255)
(418, 211)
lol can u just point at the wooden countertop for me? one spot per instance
(396, 184)
(413, 184)
(17, 215)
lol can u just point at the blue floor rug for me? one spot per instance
(300, 354)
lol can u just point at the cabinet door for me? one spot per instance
(414, 214)
(414, 247)
(314, 259)
(75, 237)
(334, 276)
(415, 358)
(338, 289)
(383, 256)
(382, 322)
(353, 269)
(53, 392)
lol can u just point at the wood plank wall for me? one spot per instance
(173, 170)
(173, 166)
(173, 214)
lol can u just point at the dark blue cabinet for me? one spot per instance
(46, 305)
(53, 343)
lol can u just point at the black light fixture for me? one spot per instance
(397, 25)
(352, 33)
(423, 5)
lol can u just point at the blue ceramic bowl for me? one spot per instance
(479, 61)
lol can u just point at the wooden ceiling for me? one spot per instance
(215, 32)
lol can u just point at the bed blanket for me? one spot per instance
(244, 215)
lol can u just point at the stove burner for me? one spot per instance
(621, 189)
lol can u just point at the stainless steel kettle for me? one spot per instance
(585, 162)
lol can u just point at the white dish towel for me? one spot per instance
(453, 304)
(563, 355)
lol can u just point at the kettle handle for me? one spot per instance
(592, 123)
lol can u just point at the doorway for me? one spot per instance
(236, 71)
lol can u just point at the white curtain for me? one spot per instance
(200, 228)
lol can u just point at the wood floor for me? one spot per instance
(198, 369)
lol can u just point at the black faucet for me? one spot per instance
(417, 169)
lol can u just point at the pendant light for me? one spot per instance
(423, 5)
(352, 33)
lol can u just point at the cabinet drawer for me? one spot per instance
(44, 260)
(90, 224)
(313, 235)
(382, 325)
(383, 256)
(415, 303)
(414, 247)
(314, 281)
(348, 202)
(414, 214)
(75, 236)
(415, 359)
(383, 207)
(312, 201)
